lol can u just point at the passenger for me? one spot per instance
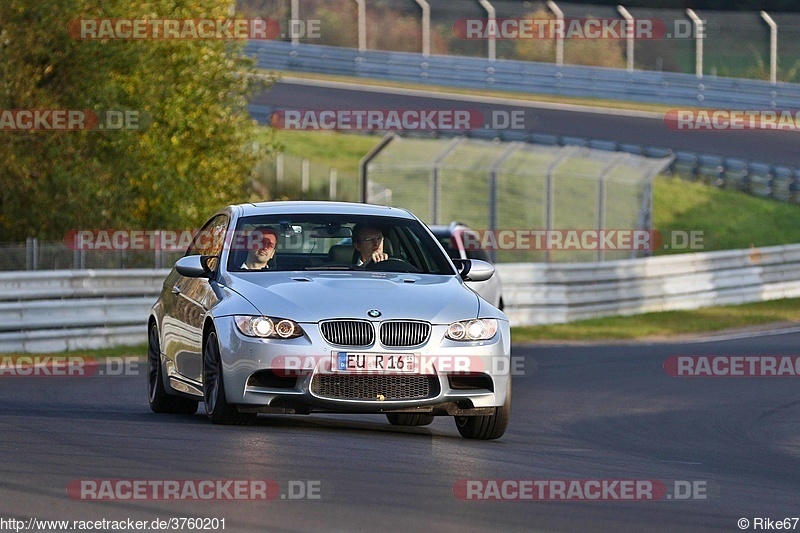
(261, 243)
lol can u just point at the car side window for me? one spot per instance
(449, 247)
(211, 238)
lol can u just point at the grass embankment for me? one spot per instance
(666, 324)
(729, 220)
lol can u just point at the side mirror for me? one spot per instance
(196, 266)
(474, 269)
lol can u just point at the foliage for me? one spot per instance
(194, 156)
(762, 70)
(589, 52)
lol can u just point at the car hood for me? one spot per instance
(314, 296)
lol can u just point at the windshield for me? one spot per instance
(334, 242)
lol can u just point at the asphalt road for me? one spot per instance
(775, 147)
(579, 413)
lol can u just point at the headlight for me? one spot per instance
(267, 327)
(479, 329)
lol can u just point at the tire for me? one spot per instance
(217, 407)
(160, 400)
(486, 427)
(409, 419)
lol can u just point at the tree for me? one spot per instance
(194, 156)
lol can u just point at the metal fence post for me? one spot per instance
(699, 29)
(773, 47)
(629, 34)
(158, 255)
(550, 191)
(305, 177)
(601, 196)
(362, 25)
(295, 7)
(332, 177)
(28, 254)
(491, 42)
(494, 171)
(426, 27)
(436, 183)
(279, 171)
(364, 164)
(559, 35)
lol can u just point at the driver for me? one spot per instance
(368, 242)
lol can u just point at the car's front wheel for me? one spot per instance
(217, 406)
(486, 427)
(409, 419)
(160, 400)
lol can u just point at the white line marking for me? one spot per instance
(746, 335)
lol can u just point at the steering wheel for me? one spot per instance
(393, 264)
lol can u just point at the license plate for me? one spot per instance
(392, 363)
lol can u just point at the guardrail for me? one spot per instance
(556, 293)
(59, 310)
(52, 311)
(666, 88)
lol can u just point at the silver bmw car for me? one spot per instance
(301, 307)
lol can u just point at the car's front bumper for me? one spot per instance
(294, 376)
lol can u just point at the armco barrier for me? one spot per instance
(666, 88)
(58, 310)
(556, 293)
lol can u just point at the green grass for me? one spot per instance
(728, 219)
(666, 324)
(330, 149)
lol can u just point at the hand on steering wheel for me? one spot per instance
(376, 257)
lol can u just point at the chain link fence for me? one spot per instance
(58, 255)
(286, 176)
(497, 187)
